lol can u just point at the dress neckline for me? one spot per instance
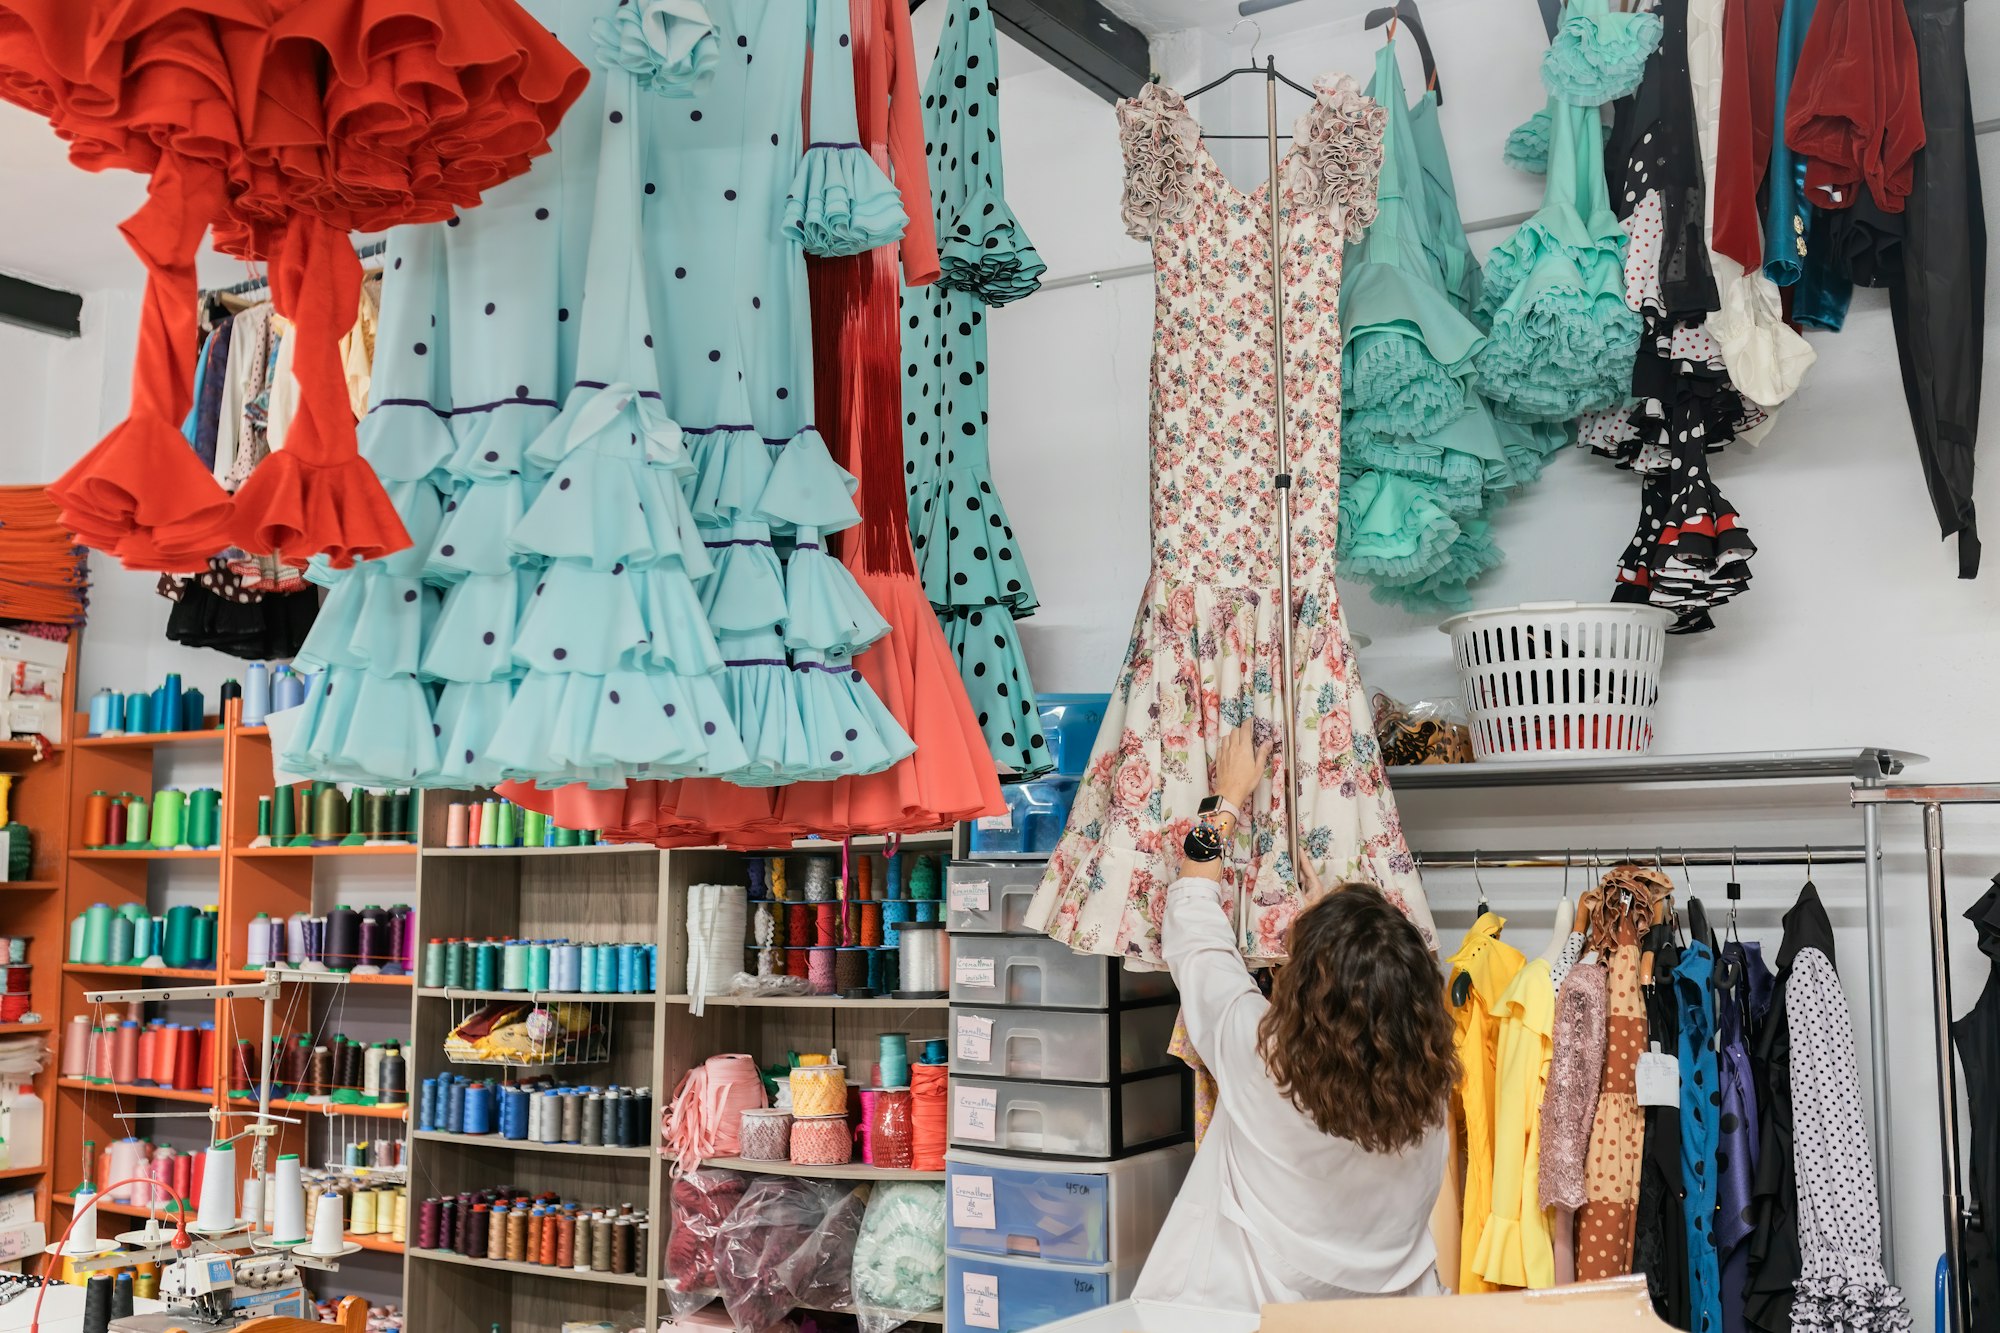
(1205, 155)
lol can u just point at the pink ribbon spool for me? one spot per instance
(766, 1135)
(822, 1141)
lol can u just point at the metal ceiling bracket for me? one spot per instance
(1081, 38)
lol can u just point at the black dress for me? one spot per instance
(1977, 1037)
(1659, 1241)
(1774, 1242)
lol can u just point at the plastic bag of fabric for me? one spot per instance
(788, 1243)
(899, 1255)
(701, 1202)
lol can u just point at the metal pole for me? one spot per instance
(1878, 1023)
(1288, 614)
(1954, 1199)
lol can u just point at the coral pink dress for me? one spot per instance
(1205, 652)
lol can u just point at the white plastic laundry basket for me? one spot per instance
(1560, 680)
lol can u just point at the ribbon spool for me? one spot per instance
(889, 1128)
(921, 960)
(850, 973)
(820, 969)
(717, 918)
(766, 1135)
(819, 1090)
(822, 1141)
(895, 1059)
(821, 872)
(798, 926)
(927, 1117)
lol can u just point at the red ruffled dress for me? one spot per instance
(857, 360)
(283, 125)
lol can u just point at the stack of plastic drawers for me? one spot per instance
(1032, 1242)
(1064, 1104)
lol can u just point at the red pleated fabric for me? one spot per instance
(280, 125)
(857, 366)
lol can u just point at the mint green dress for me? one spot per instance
(967, 553)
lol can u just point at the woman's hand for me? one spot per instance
(1314, 889)
(1240, 764)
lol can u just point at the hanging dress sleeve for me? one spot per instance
(840, 202)
(982, 248)
(1337, 157)
(1160, 143)
(906, 148)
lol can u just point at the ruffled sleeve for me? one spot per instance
(1158, 139)
(669, 46)
(1339, 153)
(983, 249)
(1599, 54)
(841, 202)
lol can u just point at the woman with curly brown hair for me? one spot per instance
(1320, 1167)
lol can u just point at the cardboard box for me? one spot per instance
(1589, 1308)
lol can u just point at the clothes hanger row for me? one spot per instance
(1603, 859)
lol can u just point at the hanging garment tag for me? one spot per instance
(976, 972)
(982, 1300)
(1659, 1078)
(970, 896)
(972, 1202)
(975, 1039)
(974, 1112)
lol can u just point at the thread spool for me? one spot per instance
(457, 825)
(818, 1090)
(117, 816)
(850, 972)
(920, 960)
(169, 818)
(869, 934)
(822, 1141)
(820, 969)
(895, 911)
(326, 1234)
(798, 926)
(798, 963)
(821, 873)
(766, 1135)
(925, 876)
(826, 923)
(565, 968)
(927, 1116)
(890, 1131)
(895, 1059)
(863, 887)
(97, 819)
(217, 1213)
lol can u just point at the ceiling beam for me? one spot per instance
(1081, 38)
(43, 309)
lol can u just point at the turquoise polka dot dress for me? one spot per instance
(619, 504)
(966, 549)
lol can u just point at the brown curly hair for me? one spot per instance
(1358, 1036)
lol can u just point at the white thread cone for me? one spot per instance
(253, 1202)
(217, 1213)
(327, 1237)
(288, 1202)
(83, 1236)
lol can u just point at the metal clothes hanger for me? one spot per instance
(1483, 908)
(1564, 916)
(1404, 12)
(1269, 70)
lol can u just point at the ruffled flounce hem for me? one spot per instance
(842, 203)
(1457, 480)
(1394, 387)
(1527, 147)
(407, 441)
(336, 509)
(1599, 58)
(745, 590)
(740, 476)
(982, 566)
(825, 610)
(1391, 529)
(1501, 1257)
(668, 46)
(1471, 553)
(357, 726)
(604, 730)
(987, 647)
(597, 622)
(471, 538)
(1869, 1304)
(472, 641)
(808, 723)
(493, 445)
(613, 498)
(1559, 351)
(985, 252)
(373, 621)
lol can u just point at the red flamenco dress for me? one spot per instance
(857, 363)
(282, 125)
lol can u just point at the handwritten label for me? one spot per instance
(981, 1292)
(975, 1039)
(971, 971)
(972, 1202)
(974, 1113)
(969, 896)
(1659, 1079)
(1000, 823)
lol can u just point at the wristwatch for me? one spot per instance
(1204, 840)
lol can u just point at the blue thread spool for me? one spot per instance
(138, 714)
(427, 1105)
(927, 909)
(104, 712)
(486, 966)
(651, 981)
(434, 955)
(538, 967)
(895, 911)
(479, 1108)
(628, 969)
(894, 1058)
(875, 970)
(514, 965)
(454, 1115)
(604, 976)
(514, 1113)
(936, 1051)
(457, 955)
(565, 963)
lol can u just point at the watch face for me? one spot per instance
(1208, 803)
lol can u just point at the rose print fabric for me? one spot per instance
(1205, 654)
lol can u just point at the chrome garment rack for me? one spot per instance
(1581, 858)
(1960, 1214)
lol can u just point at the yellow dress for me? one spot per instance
(1490, 967)
(1516, 1249)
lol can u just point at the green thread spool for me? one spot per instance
(178, 948)
(509, 820)
(284, 815)
(538, 967)
(434, 956)
(456, 962)
(375, 814)
(534, 828)
(264, 817)
(204, 938)
(138, 821)
(77, 930)
(329, 822)
(565, 837)
(97, 934)
(204, 817)
(169, 818)
(489, 823)
(514, 966)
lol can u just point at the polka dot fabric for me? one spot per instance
(1841, 1287)
(970, 560)
(1701, 1111)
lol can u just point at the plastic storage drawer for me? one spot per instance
(1034, 971)
(1062, 1046)
(1069, 1119)
(1063, 1213)
(991, 897)
(1070, 722)
(1033, 824)
(1014, 1296)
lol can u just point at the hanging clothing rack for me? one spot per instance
(1593, 858)
(248, 285)
(1958, 1218)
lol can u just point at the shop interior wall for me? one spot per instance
(1854, 630)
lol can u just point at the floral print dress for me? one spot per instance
(1205, 652)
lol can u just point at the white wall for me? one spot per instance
(1855, 630)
